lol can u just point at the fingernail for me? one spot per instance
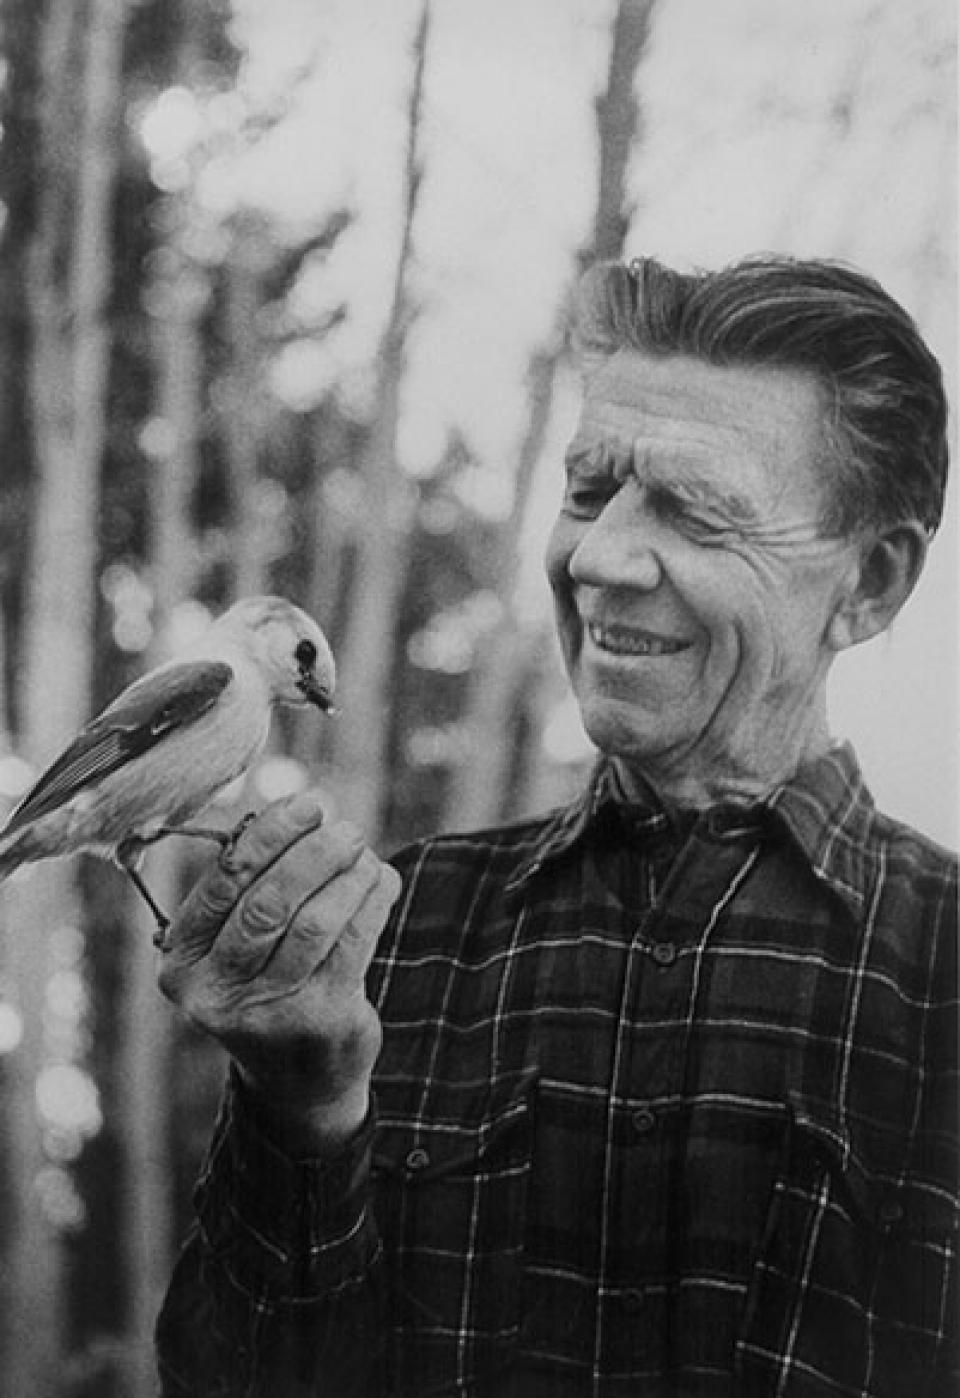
(307, 808)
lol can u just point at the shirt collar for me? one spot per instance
(829, 813)
(567, 827)
(825, 809)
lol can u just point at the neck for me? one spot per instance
(701, 778)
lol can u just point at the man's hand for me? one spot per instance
(268, 954)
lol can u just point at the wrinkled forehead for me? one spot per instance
(680, 394)
(677, 414)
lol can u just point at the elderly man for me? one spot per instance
(663, 1083)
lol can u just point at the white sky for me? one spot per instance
(741, 150)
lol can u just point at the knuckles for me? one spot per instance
(279, 825)
(345, 842)
(264, 908)
(213, 897)
(334, 844)
(286, 877)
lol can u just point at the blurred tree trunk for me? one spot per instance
(67, 290)
(31, 1261)
(176, 299)
(618, 115)
(367, 650)
(19, 38)
(333, 516)
(504, 678)
(479, 784)
(332, 530)
(242, 415)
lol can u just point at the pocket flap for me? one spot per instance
(488, 1137)
(877, 1198)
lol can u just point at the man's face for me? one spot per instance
(693, 588)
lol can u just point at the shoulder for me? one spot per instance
(514, 840)
(451, 872)
(912, 845)
(915, 865)
(456, 897)
(912, 914)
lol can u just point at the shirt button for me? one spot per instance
(664, 953)
(890, 1211)
(417, 1159)
(632, 1301)
(643, 1120)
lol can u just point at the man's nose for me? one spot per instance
(618, 547)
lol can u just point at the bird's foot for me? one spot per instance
(160, 939)
(189, 832)
(230, 839)
(127, 856)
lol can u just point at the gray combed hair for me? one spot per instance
(885, 410)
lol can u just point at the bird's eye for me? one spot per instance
(306, 655)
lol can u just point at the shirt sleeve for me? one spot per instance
(277, 1289)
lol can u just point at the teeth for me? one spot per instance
(620, 640)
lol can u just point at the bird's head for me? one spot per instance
(288, 647)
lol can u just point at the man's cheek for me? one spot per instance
(741, 661)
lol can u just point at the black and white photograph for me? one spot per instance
(479, 645)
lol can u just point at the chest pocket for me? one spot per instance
(451, 1201)
(851, 1292)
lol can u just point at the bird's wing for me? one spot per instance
(142, 716)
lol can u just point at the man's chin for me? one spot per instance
(617, 731)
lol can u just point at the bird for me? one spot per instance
(156, 756)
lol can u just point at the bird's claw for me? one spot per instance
(160, 939)
(230, 842)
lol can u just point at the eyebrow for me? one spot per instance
(727, 502)
(589, 451)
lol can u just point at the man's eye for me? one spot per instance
(699, 528)
(681, 515)
(586, 501)
(702, 526)
(703, 530)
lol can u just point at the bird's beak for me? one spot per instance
(314, 692)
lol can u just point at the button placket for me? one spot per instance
(664, 953)
(643, 1120)
(650, 1055)
(417, 1160)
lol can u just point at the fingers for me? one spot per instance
(353, 951)
(337, 928)
(295, 890)
(270, 955)
(260, 843)
(277, 832)
(268, 835)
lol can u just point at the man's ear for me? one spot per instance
(889, 565)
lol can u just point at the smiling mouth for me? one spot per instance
(624, 640)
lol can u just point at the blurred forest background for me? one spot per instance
(282, 292)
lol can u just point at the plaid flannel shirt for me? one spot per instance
(658, 1112)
